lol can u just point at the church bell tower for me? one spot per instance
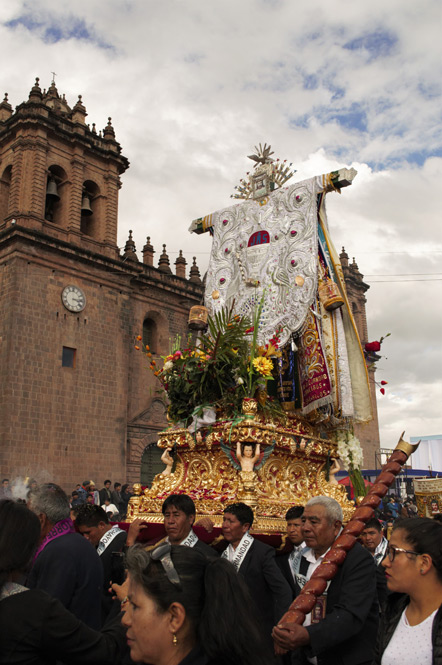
(58, 175)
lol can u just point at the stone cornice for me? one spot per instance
(139, 275)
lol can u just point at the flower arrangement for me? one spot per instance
(351, 456)
(220, 370)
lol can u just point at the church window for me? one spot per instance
(151, 464)
(55, 193)
(5, 182)
(68, 357)
(150, 334)
(89, 209)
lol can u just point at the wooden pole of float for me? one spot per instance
(317, 584)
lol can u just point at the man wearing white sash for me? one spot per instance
(288, 562)
(342, 627)
(93, 523)
(255, 561)
(179, 516)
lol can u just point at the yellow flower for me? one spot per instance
(263, 365)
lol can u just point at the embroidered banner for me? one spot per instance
(316, 387)
(269, 245)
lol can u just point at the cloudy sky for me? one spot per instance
(193, 85)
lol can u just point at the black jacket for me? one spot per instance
(69, 569)
(269, 590)
(110, 563)
(209, 552)
(36, 629)
(396, 604)
(347, 634)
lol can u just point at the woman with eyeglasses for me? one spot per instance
(411, 626)
(36, 629)
(185, 609)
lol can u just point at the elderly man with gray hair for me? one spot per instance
(65, 565)
(342, 628)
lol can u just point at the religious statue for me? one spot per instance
(335, 467)
(167, 459)
(248, 454)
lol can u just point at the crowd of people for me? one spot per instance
(75, 586)
(114, 501)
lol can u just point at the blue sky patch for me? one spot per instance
(377, 44)
(352, 118)
(419, 157)
(310, 82)
(52, 32)
(300, 121)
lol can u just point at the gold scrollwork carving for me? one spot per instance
(292, 474)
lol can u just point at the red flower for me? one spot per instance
(382, 391)
(384, 383)
(249, 330)
(372, 347)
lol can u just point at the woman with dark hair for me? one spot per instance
(411, 626)
(185, 609)
(36, 629)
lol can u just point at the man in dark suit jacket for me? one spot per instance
(66, 567)
(179, 516)
(116, 499)
(105, 492)
(294, 535)
(255, 561)
(93, 523)
(345, 634)
(374, 541)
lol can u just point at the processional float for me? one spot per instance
(263, 401)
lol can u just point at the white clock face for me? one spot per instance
(73, 298)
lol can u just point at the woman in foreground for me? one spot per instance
(411, 628)
(185, 609)
(36, 629)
